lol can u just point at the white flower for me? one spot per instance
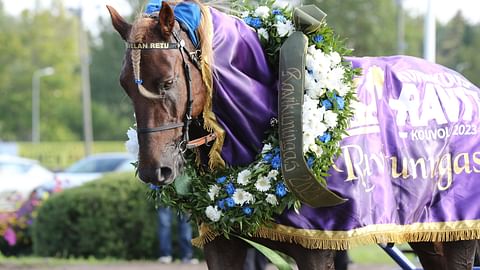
(262, 32)
(213, 213)
(271, 199)
(282, 4)
(343, 89)
(132, 143)
(263, 184)
(335, 77)
(266, 148)
(330, 118)
(317, 149)
(284, 28)
(241, 197)
(309, 81)
(308, 140)
(213, 191)
(244, 14)
(243, 177)
(262, 12)
(335, 58)
(272, 174)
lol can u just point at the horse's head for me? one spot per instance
(160, 77)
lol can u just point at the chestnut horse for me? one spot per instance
(162, 76)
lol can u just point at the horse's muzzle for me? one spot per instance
(157, 176)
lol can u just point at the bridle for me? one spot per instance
(194, 57)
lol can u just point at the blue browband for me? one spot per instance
(187, 13)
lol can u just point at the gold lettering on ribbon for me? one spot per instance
(289, 148)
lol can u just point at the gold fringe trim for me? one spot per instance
(372, 234)
(210, 121)
(205, 235)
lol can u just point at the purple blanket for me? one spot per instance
(410, 167)
(411, 163)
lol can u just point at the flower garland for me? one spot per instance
(249, 197)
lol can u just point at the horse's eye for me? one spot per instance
(166, 85)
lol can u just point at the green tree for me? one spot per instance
(35, 40)
(458, 43)
(112, 110)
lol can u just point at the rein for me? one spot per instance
(194, 58)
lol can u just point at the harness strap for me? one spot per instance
(188, 79)
(201, 141)
(162, 128)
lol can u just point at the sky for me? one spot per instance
(444, 9)
(92, 9)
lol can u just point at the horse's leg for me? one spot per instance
(459, 254)
(456, 255)
(306, 259)
(430, 255)
(222, 253)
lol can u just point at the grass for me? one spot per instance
(366, 255)
(373, 254)
(24, 261)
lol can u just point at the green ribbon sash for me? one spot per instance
(298, 177)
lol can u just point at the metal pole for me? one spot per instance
(35, 107)
(429, 46)
(86, 97)
(400, 28)
(37, 74)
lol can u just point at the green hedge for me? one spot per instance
(110, 217)
(59, 155)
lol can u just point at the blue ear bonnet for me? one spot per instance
(186, 13)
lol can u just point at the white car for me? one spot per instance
(94, 167)
(18, 178)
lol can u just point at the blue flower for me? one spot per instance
(248, 211)
(325, 138)
(268, 157)
(340, 102)
(253, 22)
(221, 180)
(327, 104)
(280, 190)
(230, 189)
(154, 187)
(276, 162)
(229, 202)
(318, 38)
(221, 204)
(310, 161)
(276, 12)
(276, 150)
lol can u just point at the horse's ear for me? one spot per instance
(122, 27)
(166, 20)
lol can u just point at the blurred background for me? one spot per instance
(60, 100)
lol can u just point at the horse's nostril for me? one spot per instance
(164, 174)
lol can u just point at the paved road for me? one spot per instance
(154, 266)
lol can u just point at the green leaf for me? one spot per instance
(183, 184)
(271, 255)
